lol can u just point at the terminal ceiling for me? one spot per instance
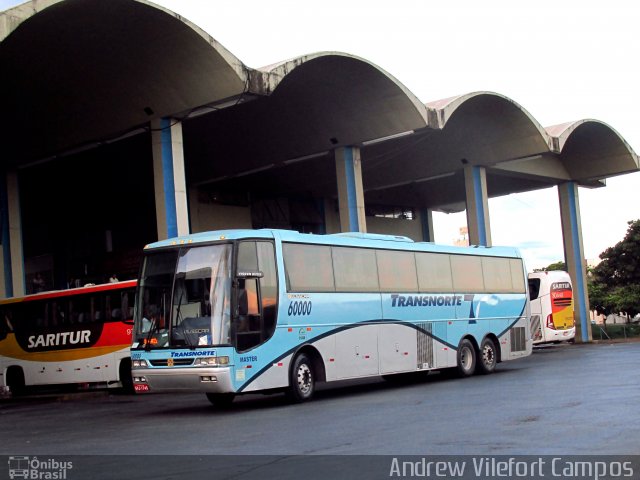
(85, 72)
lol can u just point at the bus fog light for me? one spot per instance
(209, 378)
(139, 379)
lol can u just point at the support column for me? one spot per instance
(172, 213)
(12, 254)
(475, 183)
(350, 192)
(574, 256)
(426, 219)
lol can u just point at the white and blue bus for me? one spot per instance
(240, 311)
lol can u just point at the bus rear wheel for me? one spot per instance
(302, 381)
(466, 358)
(221, 400)
(488, 357)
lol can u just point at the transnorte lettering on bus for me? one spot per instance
(426, 300)
(61, 338)
(194, 353)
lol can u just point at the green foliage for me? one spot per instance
(559, 265)
(614, 284)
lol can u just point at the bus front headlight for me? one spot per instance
(211, 361)
(139, 364)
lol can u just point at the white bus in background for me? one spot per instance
(551, 298)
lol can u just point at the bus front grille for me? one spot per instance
(177, 362)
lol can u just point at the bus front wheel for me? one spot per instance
(302, 381)
(488, 357)
(221, 400)
(15, 381)
(466, 358)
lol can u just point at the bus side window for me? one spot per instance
(5, 323)
(534, 288)
(98, 308)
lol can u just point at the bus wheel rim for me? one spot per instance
(465, 358)
(487, 355)
(304, 379)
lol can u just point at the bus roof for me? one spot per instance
(349, 239)
(71, 291)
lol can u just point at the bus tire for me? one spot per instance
(488, 357)
(15, 381)
(302, 381)
(221, 400)
(125, 375)
(466, 358)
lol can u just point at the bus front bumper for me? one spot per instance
(210, 380)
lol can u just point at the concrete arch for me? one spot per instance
(491, 122)
(347, 89)
(591, 150)
(97, 69)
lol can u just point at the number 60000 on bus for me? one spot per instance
(239, 311)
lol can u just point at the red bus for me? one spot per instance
(75, 336)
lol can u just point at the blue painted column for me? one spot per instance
(574, 256)
(350, 191)
(475, 182)
(426, 220)
(172, 214)
(7, 281)
(12, 254)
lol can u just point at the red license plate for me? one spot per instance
(141, 387)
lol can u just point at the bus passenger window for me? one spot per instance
(534, 288)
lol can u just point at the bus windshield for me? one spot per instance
(184, 298)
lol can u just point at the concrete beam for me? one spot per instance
(477, 200)
(574, 256)
(172, 213)
(350, 191)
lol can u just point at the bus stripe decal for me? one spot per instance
(361, 324)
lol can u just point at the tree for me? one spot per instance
(614, 284)
(559, 265)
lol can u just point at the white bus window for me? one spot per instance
(434, 272)
(397, 271)
(308, 268)
(497, 274)
(355, 269)
(467, 273)
(517, 275)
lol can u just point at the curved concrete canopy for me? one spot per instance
(361, 83)
(81, 71)
(94, 67)
(315, 103)
(592, 150)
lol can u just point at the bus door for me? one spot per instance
(535, 303)
(254, 318)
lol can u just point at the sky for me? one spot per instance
(561, 61)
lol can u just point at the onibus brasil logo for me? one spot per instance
(33, 468)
